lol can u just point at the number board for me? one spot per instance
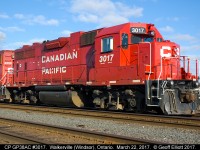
(138, 30)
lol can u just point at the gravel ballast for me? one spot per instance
(150, 132)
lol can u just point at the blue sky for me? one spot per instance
(28, 21)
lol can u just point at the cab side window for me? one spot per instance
(107, 44)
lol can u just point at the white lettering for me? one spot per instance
(165, 51)
(43, 59)
(69, 56)
(177, 52)
(8, 63)
(54, 70)
(75, 54)
(47, 60)
(60, 57)
(57, 58)
(51, 58)
(106, 59)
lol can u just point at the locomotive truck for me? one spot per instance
(124, 67)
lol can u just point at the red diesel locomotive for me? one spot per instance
(127, 67)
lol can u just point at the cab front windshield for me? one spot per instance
(135, 39)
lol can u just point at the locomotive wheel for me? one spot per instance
(132, 102)
(16, 99)
(76, 99)
(102, 104)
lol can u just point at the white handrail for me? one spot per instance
(159, 76)
(149, 58)
(3, 76)
(150, 66)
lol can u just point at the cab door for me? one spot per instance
(107, 58)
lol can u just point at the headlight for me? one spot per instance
(197, 84)
(170, 83)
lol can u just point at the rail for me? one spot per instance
(13, 138)
(160, 120)
(91, 136)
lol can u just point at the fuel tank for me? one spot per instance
(61, 98)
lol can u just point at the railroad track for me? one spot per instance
(174, 121)
(12, 138)
(68, 135)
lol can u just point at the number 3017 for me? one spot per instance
(106, 58)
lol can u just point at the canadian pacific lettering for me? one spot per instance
(60, 57)
(54, 70)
